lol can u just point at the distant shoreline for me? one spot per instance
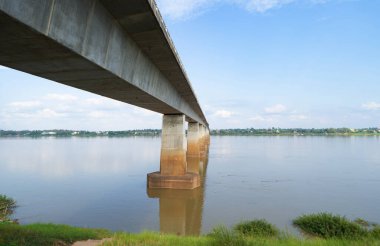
(222, 132)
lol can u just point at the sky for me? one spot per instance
(251, 63)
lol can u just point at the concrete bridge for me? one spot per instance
(119, 49)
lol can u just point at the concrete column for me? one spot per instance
(173, 166)
(208, 136)
(202, 140)
(193, 137)
(193, 148)
(173, 145)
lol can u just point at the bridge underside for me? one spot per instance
(33, 53)
(90, 45)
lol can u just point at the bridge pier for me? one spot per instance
(193, 147)
(173, 166)
(207, 136)
(203, 140)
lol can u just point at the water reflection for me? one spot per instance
(181, 210)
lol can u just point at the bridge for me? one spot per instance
(119, 49)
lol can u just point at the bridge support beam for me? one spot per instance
(173, 166)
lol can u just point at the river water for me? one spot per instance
(101, 182)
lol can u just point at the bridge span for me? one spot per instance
(119, 49)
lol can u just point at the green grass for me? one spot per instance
(49, 234)
(375, 232)
(157, 239)
(362, 222)
(221, 235)
(326, 225)
(226, 237)
(259, 228)
(46, 234)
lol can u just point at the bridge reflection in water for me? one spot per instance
(181, 210)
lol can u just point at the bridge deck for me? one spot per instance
(119, 49)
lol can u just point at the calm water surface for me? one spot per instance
(101, 182)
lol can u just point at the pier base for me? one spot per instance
(173, 172)
(186, 181)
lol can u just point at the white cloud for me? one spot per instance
(223, 113)
(48, 113)
(371, 106)
(261, 119)
(92, 113)
(25, 104)
(183, 9)
(3, 68)
(257, 118)
(297, 117)
(276, 109)
(97, 114)
(94, 101)
(61, 97)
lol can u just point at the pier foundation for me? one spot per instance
(173, 165)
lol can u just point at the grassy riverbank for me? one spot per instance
(46, 234)
(321, 229)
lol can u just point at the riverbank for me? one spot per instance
(320, 229)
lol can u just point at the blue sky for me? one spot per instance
(252, 63)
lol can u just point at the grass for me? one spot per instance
(156, 239)
(362, 222)
(46, 234)
(226, 237)
(49, 234)
(327, 225)
(259, 228)
(223, 236)
(375, 232)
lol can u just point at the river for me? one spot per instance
(101, 182)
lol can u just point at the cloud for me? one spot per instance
(92, 113)
(25, 104)
(61, 97)
(97, 114)
(298, 117)
(223, 113)
(276, 109)
(3, 68)
(259, 118)
(184, 9)
(371, 106)
(48, 113)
